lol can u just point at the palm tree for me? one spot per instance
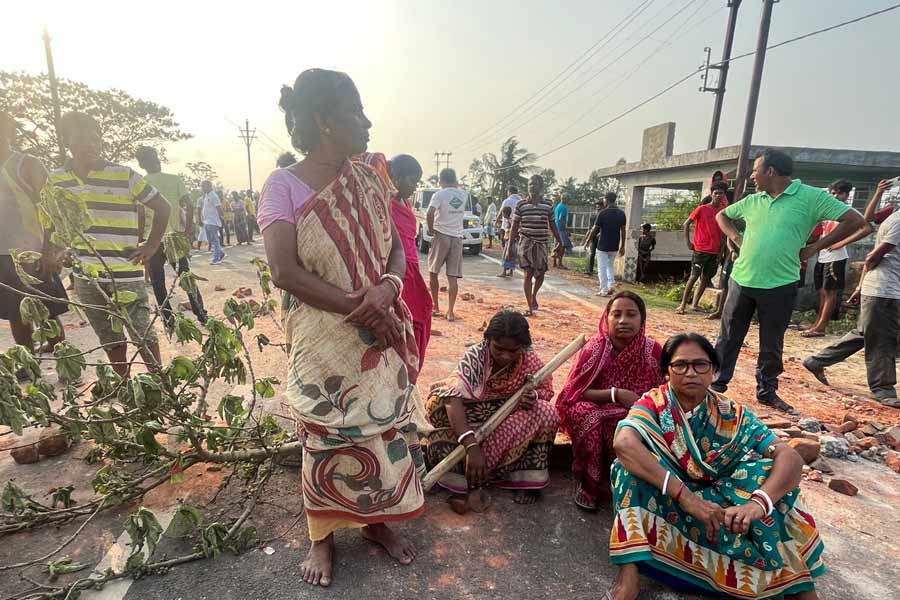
(510, 168)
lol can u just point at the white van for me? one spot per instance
(471, 222)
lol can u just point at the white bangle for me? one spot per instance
(759, 503)
(612, 392)
(460, 439)
(770, 506)
(666, 483)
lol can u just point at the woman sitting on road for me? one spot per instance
(515, 456)
(613, 370)
(706, 496)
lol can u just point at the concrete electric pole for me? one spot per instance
(248, 135)
(722, 67)
(743, 170)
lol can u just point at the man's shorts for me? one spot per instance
(10, 300)
(705, 264)
(446, 250)
(138, 311)
(830, 275)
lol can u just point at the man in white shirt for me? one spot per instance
(831, 265)
(213, 217)
(445, 224)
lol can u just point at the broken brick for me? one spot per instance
(842, 486)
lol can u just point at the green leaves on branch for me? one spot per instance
(65, 213)
(63, 497)
(265, 386)
(186, 521)
(144, 529)
(63, 566)
(70, 362)
(232, 410)
(14, 500)
(33, 311)
(25, 257)
(124, 297)
(176, 245)
(182, 368)
(188, 282)
(186, 330)
(264, 274)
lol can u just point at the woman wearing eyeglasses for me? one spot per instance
(706, 496)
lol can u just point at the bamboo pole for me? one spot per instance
(504, 411)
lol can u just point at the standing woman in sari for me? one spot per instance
(706, 496)
(331, 244)
(405, 172)
(612, 371)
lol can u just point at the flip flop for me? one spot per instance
(437, 314)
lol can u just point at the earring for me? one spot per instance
(327, 131)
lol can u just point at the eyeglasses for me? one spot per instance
(700, 366)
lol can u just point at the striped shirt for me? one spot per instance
(534, 219)
(112, 194)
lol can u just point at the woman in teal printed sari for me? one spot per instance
(706, 497)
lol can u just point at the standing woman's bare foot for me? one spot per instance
(316, 569)
(627, 585)
(399, 547)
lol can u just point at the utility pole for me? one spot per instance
(54, 95)
(722, 67)
(248, 135)
(437, 161)
(762, 41)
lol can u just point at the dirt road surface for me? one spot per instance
(549, 550)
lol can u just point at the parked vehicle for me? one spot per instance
(472, 229)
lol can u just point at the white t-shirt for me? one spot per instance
(449, 209)
(830, 256)
(884, 280)
(210, 214)
(512, 202)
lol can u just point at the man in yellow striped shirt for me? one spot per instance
(111, 254)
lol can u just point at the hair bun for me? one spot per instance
(286, 102)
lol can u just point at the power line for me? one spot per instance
(614, 30)
(522, 118)
(698, 70)
(614, 61)
(595, 105)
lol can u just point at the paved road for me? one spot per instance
(550, 550)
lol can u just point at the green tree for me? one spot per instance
(125, 122)
(199, 171)
(476, 180)
(549, 177)
(510, 167)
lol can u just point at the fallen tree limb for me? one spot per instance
(506, 409)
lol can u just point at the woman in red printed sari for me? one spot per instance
(329, 238)
(515, 455)
(613, 371)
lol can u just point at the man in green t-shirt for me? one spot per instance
(181, 219)
(779, 219)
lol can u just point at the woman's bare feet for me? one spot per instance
(527, 496)
(628, 583)
(399, 547)
(316, 569)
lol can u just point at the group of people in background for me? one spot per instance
(689, 471)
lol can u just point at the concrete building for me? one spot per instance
(660, 169)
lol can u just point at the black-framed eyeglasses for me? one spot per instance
(681, 367)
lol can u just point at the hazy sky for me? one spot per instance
(434, 75)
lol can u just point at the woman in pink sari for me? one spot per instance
(405, 175)
(613, 371)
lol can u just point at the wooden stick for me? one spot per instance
(504, 411)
